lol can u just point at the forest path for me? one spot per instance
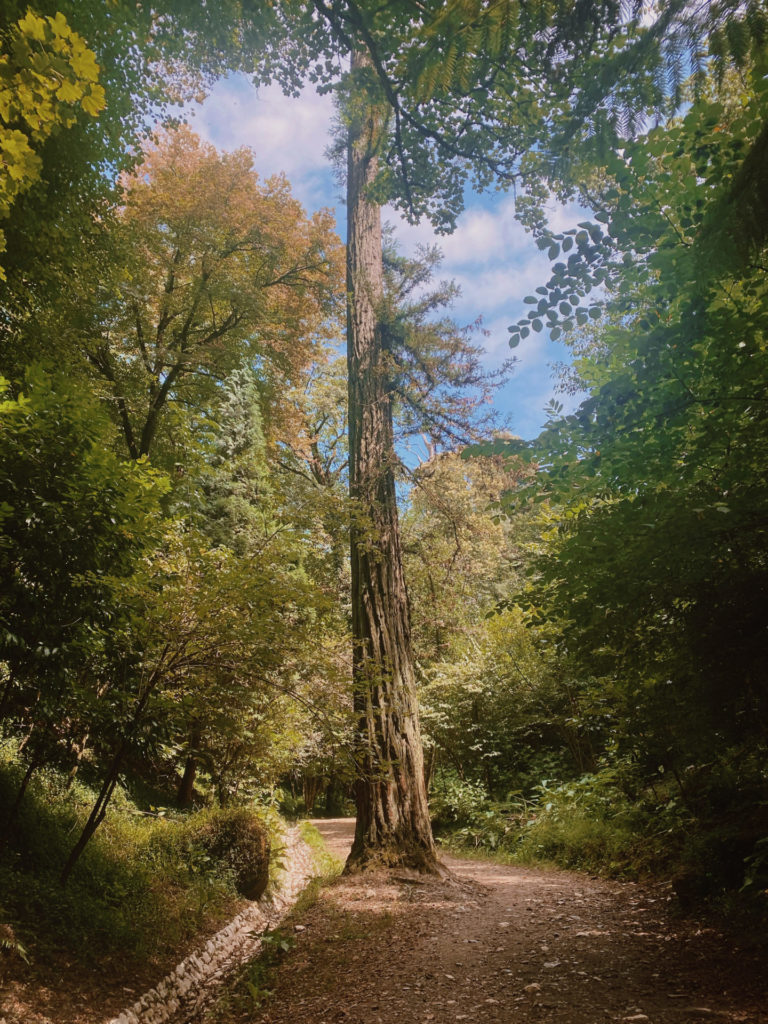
(506, 944)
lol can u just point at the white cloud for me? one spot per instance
(564, 218)
(501, 288)
(490, 255)
(287, 135)
(483, 234)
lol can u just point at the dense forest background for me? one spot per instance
(587, 609)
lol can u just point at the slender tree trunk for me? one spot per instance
(429, 767)
(393, 826)
(10, 821)
(99, 808)
(80, 748)
(5, 700)
(311, 785)
(186, 791)
(97, 814)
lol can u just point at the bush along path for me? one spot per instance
(195, 982)
(503, 945)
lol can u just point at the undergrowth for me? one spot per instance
(146, 884)
(599, 824)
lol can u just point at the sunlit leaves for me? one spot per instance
(660, 473)
(46, 72)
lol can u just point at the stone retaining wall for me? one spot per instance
(194, 983)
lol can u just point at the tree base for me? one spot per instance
(413, 859)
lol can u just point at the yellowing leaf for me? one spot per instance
(95, 101)
(84, 63)
(69, 92)
(33, 26)
(59, 25)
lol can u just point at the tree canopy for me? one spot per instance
(192, 600)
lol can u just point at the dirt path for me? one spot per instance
(502, 944)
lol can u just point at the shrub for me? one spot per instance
(238, 839)
(456, 801)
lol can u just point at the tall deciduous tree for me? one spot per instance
(216, 267)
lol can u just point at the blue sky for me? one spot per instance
(489, 255)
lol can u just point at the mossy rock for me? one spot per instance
(236, 837)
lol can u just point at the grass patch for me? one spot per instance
(324, 861)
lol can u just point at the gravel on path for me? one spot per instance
(506, 945)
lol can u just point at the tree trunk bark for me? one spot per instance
(393, 826)
(186, 791)
(10, 821)
(98, 812)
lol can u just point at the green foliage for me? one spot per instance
(455, 801)
(235, 837)
(74, 524)
(698, 832)
(498, 93)
(145, 884)
(652, 568)
(505, 711)
(659, 551)
(46, 74)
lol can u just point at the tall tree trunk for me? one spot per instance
(393, 826)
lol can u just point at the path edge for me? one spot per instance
(196, 980)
